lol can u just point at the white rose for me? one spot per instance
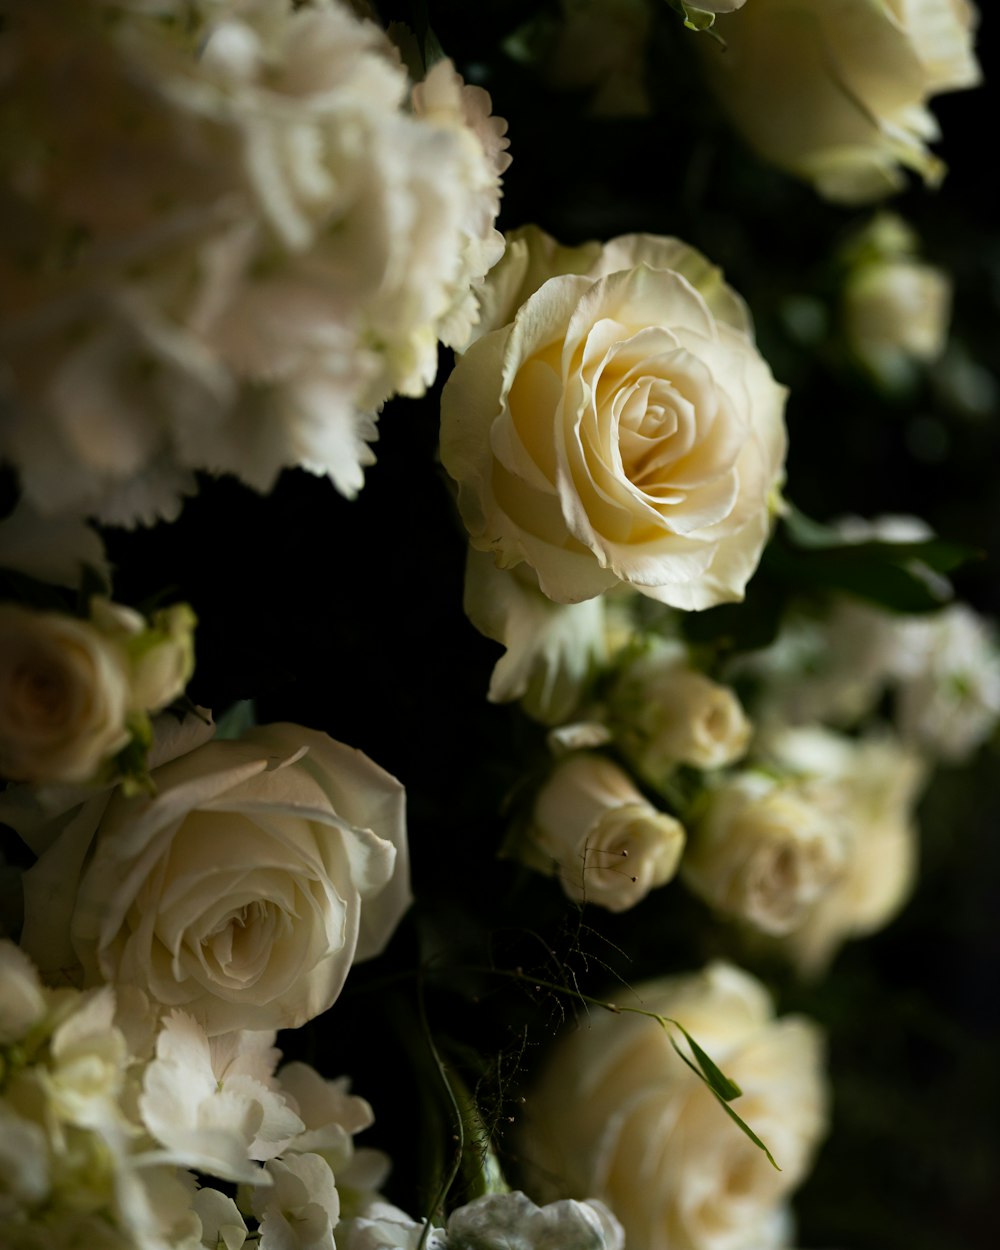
(667, 714)
(241, 892)
(618, 1116)
(837, 93)
(879, 782)
(622, 429)
(593, 828)
(765, 851)
(64, 695)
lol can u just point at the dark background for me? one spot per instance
(346, 616)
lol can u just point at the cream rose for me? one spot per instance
(837, 93)
(64, 696)
(766, 851)
(607, 844)
(241, 892)
(667, 713)
(618, 1116)
(879, 782)
(622, 428)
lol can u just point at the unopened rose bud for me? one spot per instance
(63, 696)
(668, 714)
(606, 842)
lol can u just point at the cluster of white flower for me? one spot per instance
(249, 239)
(108, 1104)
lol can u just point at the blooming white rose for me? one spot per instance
(837, 93)
(622, 429)
(64, 696)
(617, 1115)
(241, 892)
(667, 713)
(593, 828)
(765, 851)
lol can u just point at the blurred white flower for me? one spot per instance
(879, 781)
(618, 1116)
(896, 308)
(949, 691)
(765, 851)
(446, 100)
(258, 242)
(511, 1221)
(591, 827)
(837, 93)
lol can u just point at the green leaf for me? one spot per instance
(748, 1131)
(236, 720)
(903, 577)
(720, 1084)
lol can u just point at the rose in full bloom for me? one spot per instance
(621, 429)
(241, 892)
(618, 1116)
(593, 828)
(837, 93)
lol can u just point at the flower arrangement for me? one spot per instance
(455, 791)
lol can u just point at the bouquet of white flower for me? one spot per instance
(538, 777)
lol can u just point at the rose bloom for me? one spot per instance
(621, 429)
(616, 1115)
(64, 696)
(837, 93)
(607, 843)
(241, 892)
(880, 781)
(766, 851)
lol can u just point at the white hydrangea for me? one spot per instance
(258, 240)
(107, 1106)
